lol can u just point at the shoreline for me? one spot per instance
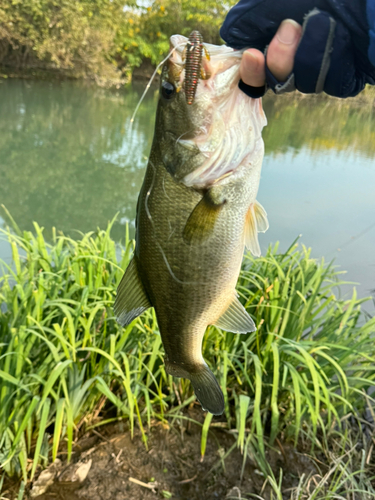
(140, 76)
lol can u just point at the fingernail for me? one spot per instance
(288, 32)
(251, 60)
(251, 54)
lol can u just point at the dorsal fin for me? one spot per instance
(131, 299)
(236, 319)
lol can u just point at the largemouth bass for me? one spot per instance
(197, 209)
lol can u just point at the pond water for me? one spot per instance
(66, 160)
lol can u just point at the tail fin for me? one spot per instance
(207, 390)
(205, 385)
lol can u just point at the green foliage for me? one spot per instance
(144, 33)
(343, 471)
(86, 38)
(62, 354)
(312, 353)
(75, 37)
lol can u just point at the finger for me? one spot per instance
(252, 68)
(283, 48)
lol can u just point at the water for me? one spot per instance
(66, 160)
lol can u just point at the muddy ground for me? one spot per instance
(115, 467)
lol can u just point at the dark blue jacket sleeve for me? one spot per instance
(371, 20)
(253, 23)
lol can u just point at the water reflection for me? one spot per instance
(66, 160)
(319, 124)
(61, 146)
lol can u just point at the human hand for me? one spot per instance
(330, 53)
(280, 56)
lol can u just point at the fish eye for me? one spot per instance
(168, 90)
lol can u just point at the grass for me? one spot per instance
(345, 471)
(66, 366)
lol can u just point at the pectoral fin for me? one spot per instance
(256, 222)
(201, 223)
(236, 319)
(131, 300)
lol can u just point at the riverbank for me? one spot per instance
(141, 76)
(109, 464)
(301, 380)
(103, 42)
(116, 81)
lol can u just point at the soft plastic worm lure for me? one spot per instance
(193, 64)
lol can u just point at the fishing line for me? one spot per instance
(150, 82)
(355, 237)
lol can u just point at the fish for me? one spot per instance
(197, 210)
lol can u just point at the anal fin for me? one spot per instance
(236, 319)
(131, 299)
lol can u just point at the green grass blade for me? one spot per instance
(60, 406)
(244, 402)
(42, 427)
(204, 436)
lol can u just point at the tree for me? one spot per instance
(145, 31)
